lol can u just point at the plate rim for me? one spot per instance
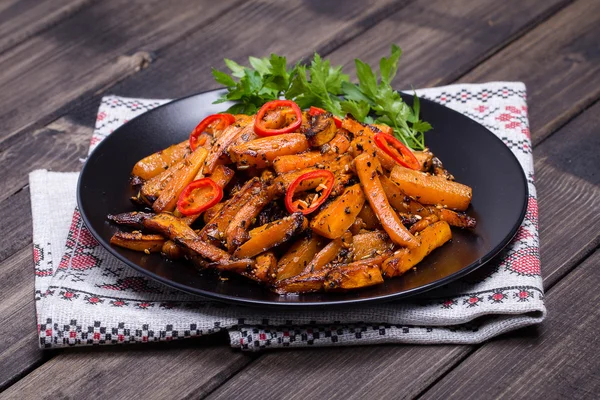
(227, 298)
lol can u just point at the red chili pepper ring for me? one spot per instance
(194, 200)
(261, 125)
(398, 151)
(310, 179)
(222, 121)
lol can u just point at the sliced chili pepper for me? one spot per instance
(194, 200)
(398, 151)
(261, 125)
(318, 111)
(293, 206)
(224, 120)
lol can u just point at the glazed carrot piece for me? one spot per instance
(366, 168)
(154, 164)
(338, 145)
(167, 200)
(332, 251)
(243, 126)
(432, 189)
(260, 153)
(429, 239)
(337, 217)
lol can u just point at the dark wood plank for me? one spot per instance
(561, 58)
(22, 19)
(19, 351)
(559, 361)
(301, 29)
(105, 43)
(134, 372)
(184, 69)
(562, 55)
(433, 55)
(63, 143)
(67, 138)
(17, 220)
(442, 40)
(566, 170)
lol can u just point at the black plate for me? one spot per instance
(472, 153)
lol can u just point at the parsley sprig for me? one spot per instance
(371, 100)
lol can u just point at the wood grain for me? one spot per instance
(560, 64)
(442, 40)
(373, 372)
(19, 351)
(22, 19)
(107, 41)
(58, 146)
(569, 194)
(300, 28)
(184, 69)
(16, 213)
(134, 372)
(559, 361)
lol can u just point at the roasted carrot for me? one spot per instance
(429, 239)
(366, 168)
(260, 153)
(432, 189)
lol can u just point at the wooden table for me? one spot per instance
(58, 57)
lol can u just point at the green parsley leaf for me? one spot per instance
(236, 69)
(372, 100)
(223, 78)
(389, 66)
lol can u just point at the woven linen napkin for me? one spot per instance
(84, 296)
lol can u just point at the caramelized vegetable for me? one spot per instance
(366, 168)
(172, 250)
(432, 189)
(338, 166)
(335, 251)
(371, 244)
(430, 238)
(243, 126)
(261, 152)
(160, 161)
(425, 159)
(267, 236)
(296, 259)
(217, 227)
(265, 268)
(423, 223)
(138, 241)
(178, 231)
(338, 145)
(356, 275)
(368, 216)
(321, 129)
(237, 231)
(221, 176)
(336, 217)
(167, 200)
(260, 182)
(340, 277)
